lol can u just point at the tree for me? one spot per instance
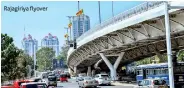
(14, 61)
(24, 61)
(180, 55)
(44, 58)
(8, 58)
(63, 54)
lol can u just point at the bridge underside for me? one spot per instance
(139, 51)
(138, 41)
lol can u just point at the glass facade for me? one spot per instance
(84, 25)
(52, 42)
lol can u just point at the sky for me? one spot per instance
(40, 23)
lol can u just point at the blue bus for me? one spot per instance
(160, 71)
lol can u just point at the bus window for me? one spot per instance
(147, 71)
(164, 71)
(151, 71)
(139, 72)
(157, 71)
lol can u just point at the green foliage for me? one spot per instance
(8, 57)
(180, 55)
(44, 58)
(144, 61)
(63, 54)
(24, 61)
(14, 63)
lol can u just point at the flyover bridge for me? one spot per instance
(131, 35)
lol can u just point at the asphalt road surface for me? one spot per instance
(73, 84)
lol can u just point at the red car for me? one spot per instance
(63, 77)
(17, 84)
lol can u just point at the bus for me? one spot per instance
(160, 71)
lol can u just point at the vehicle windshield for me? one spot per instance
(104, 76)
(42, 86)
(156, 82)
(36, 86)
(52, 78)
(88, 78)
(145, 82)
(31, 86)
(63, 75)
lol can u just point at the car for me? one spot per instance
(103, 79)
(33, 85)
(17, 83)
(36, 79)
(153, 83)
(78, 78)
(52, 81)
(63, 77)
(87, 82)
(58, 77)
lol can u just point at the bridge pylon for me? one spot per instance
(110, 66)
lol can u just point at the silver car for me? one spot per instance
(87, 82)
(153, 83)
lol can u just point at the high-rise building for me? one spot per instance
(52, 42)
(28, 45)
(84, 23)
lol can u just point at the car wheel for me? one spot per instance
(95, 86)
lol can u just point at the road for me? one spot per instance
(73, 84)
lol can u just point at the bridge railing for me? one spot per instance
(122, 16)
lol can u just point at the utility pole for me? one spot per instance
(34, 60)
(99, 12)
(78, 21)
(169, 51)
(69, 17)
(112, 9)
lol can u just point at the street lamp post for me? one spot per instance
(168, 41)
(112, 9)
(67, 34)
(34, 60)
(99, 12)
(70, 27)
(169, 51)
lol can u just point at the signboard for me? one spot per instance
(54, 64)
(61, 63)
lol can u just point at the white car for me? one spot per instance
(153, 83)
(103, 79)
(87, 82)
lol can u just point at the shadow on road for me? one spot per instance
(106, 85)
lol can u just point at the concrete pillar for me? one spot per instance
(75, 71)
(110, 66)
(116, 64)
(93, 73)
(89, 71)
